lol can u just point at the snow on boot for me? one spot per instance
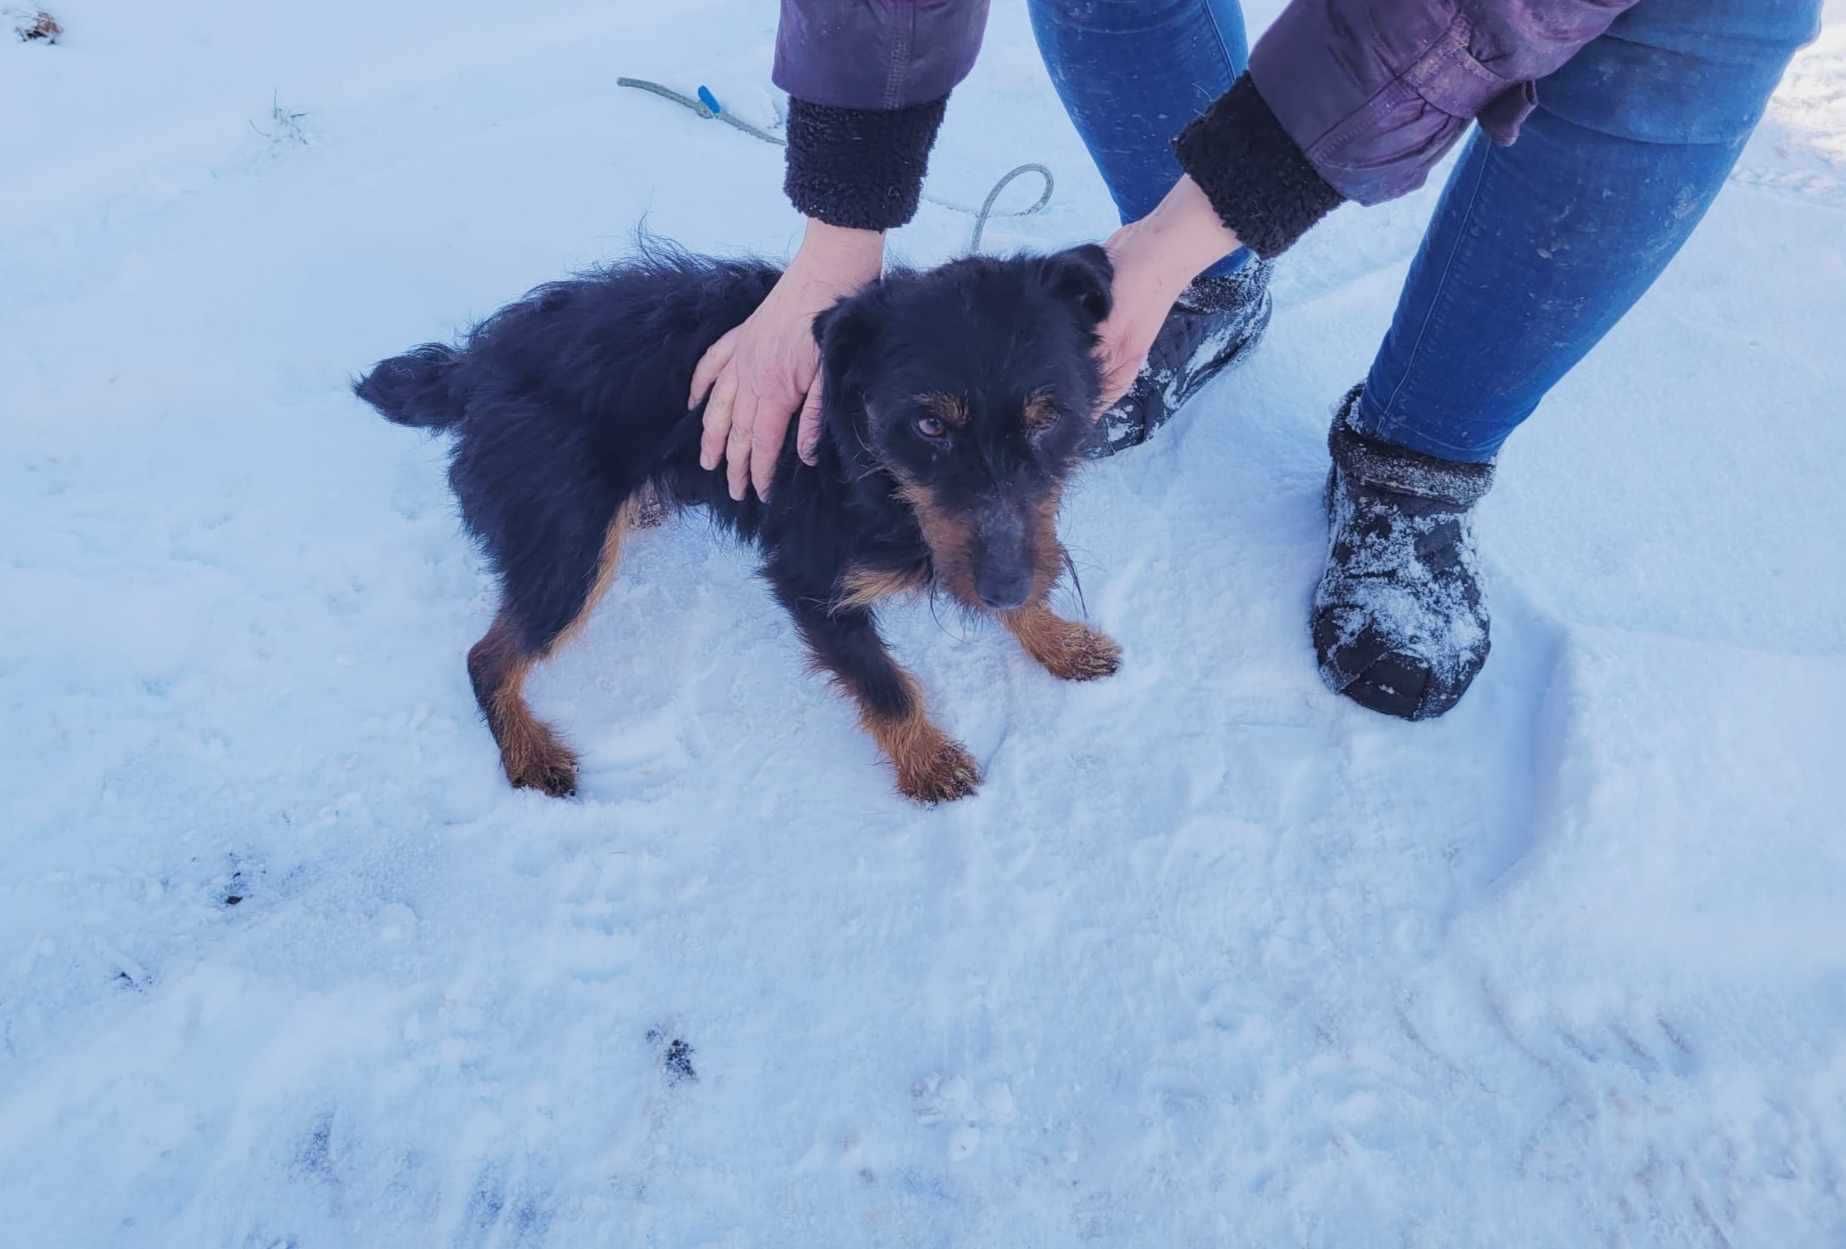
(1399, 624)
(1212, 325)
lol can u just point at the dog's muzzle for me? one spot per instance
(1003, 557)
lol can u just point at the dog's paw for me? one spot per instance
(1066, 649)
(1089, 656)
(552, 771)
(944, 774)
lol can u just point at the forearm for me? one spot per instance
(837, 256)
(1181, 238)
(1154, 259)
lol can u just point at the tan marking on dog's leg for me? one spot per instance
(862, 587)
(606, 564)
(1066, 649)
(530, 752)
(931, 766)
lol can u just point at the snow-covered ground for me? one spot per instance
(1214, 959)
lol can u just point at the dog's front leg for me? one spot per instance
(1066, 649)
(931, 765)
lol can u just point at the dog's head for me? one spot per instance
(974, 387)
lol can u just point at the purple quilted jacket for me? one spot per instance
(1344, 99)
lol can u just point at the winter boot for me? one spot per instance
(1211, 326)
(1399, 624)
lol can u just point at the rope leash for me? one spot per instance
(706, 105)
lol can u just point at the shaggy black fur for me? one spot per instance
(956, 403)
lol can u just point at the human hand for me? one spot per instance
(1154, 259)
(759, 373)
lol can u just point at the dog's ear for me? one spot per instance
(1083, 276)
(843, 332)
(846, 333)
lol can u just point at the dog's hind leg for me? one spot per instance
(844, 642)
(531, 751)
(1064, 648)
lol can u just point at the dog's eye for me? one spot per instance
(931, 426)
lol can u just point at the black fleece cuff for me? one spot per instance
(1264, 187)
(859, 168)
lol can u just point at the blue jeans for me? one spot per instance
(1535, 250)
(1131, 74)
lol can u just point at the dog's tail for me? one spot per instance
(413, 389)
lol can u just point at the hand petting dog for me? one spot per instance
(758, 374)
(1155, 258)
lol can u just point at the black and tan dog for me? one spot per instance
(956, 401)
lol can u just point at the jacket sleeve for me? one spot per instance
(1357, 99)
(868, 81)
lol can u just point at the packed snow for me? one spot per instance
(1215, 958)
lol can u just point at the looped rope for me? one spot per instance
(706, 105)
(987, 205)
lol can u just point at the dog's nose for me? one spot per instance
(1003, 589)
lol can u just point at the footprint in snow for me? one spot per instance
(675, 1057)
